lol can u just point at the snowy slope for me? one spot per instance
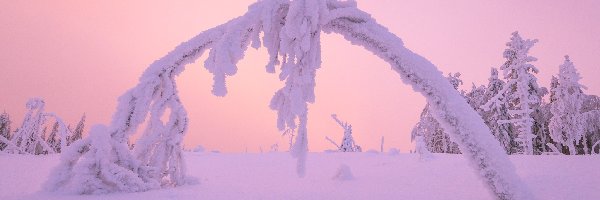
(376, 176)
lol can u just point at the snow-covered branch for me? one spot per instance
(332, 142)
(456, 117)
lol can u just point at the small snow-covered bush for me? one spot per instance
(343, 173)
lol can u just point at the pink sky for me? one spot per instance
(80, 56)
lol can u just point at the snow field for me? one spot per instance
(376, 176)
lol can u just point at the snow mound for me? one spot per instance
(372, 151)
(199, 149)
(343, 173)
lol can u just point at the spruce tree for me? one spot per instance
(78, 132)
(566, 127)
(348, 144)
(521, 92)
(4, 130)
(54, 139)
(498, 112)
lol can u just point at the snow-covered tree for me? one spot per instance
(5, 134)
(78, 132)
(565, 126)
(498, 112)
(590, 116)
(291, 33)
(421, 148)
(348, 144)
(29, 137)
(553, 85)
(541, 117)
(476, 97)
(274, 148)
(54, 138)
(521, 91)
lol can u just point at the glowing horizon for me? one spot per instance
(81, 56)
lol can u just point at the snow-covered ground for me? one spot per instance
(375, 176)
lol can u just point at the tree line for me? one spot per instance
(513, 106)
(33, 137)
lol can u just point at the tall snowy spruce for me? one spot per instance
(291, 32)
(566, 125)
(348, 144)
(5, 133)
(521, 92)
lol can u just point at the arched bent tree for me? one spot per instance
(291, 33)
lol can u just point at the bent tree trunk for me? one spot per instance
(456, 117)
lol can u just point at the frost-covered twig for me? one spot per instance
(332, 142)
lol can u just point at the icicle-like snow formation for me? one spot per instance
(103, 163)
(456, 117)
(300, 46)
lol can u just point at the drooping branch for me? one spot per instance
(449, 108)
(133, 105)
(163, 165)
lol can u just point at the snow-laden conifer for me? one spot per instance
(498, 112)
(421, 148)
(53, 138)
(29, 136)
(5, 131)
(566, 127)
(521, 91)
(78, 132)
(348, 144)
